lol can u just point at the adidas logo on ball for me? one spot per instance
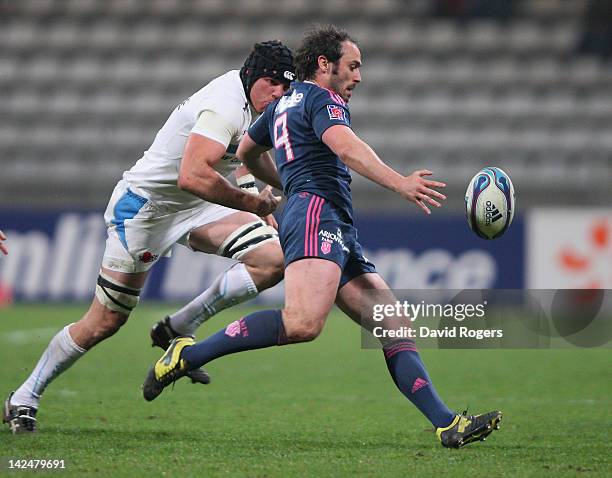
(492, 214)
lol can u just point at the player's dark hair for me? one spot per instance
(268, 58)
(323, 40)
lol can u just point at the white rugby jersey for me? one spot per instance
(155, 175)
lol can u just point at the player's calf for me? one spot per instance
(98, 324)
(265, 265)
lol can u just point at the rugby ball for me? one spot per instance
(489, 203)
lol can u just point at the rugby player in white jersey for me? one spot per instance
(178, 192)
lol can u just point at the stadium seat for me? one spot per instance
(105, 75)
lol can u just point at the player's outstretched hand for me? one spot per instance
(268, 202)
(3, 247)
(417, 189)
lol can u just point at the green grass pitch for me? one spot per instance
(327, 408)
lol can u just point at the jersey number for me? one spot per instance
(282, 139)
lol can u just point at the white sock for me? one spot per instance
(61, 353)
(232, 287)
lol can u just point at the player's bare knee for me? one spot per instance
(305, 333)
(302, 329)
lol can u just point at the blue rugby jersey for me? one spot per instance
(293, 125)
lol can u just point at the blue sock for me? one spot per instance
(255, 331)
(410, 376)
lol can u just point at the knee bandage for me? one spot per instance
(115, 296)
(246, 238)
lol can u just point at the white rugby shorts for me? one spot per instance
(140, 231)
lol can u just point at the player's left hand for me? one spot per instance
(270, 220)
(417, 189)
(3, 247)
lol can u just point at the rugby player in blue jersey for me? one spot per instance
(309, 128)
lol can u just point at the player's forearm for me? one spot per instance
(263, 168)
(362, 159)
(215, 188)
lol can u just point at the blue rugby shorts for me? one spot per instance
(314, 227)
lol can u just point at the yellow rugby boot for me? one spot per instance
(468, 428)
(168, 369)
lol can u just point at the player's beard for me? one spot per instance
(337, 82)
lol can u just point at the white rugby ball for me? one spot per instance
(489, 203)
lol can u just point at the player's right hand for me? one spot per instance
(419, 190)
(268, 202)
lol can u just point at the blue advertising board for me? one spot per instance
(440, 251)
(55, 256)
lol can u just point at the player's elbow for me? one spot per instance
(345, 149)
(346, 155)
